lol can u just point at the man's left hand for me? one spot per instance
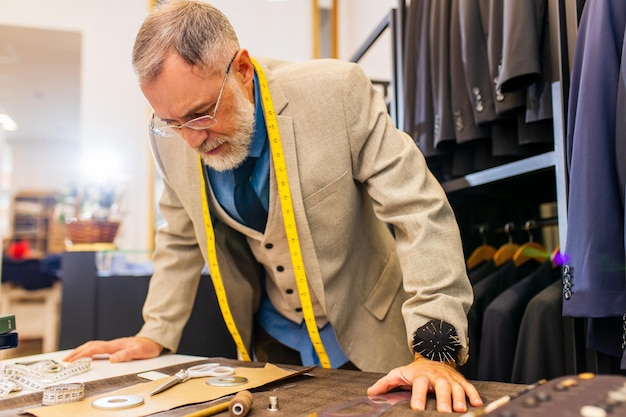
(423, 376)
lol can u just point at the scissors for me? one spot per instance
(198, 371)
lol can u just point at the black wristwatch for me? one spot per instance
(437, 341)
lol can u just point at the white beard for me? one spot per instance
(239, 142)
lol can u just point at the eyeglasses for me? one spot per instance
(163, 128)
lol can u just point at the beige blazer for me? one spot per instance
(351, 173)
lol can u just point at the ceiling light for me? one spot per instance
(7, 123)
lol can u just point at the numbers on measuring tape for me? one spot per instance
(290, 228)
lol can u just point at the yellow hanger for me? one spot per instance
(482, 253)
(556, 257)
(505, 252)
(530, 250)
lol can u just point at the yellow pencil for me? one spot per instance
(239, 406)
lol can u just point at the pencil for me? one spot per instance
(210, 411)
(239, 406)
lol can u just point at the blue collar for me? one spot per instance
(259, 137)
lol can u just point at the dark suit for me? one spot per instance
(492, 16)
(481, 271)
(526, 67)
(419, 119)
(501, 323)
(476, 62)
(540, 350)
(484, 293)
(466, 128)
(620, 147)
(521, 32)
(466, 131)
(595, 236)
(440, 71)
(539, 93)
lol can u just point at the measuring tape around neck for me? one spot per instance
(286, 204)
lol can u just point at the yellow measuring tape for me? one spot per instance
(286, 204)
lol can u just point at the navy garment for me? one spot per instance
(541, 342)
(484, 293)
(595, 236)
(29, 274)
(501, 323)
(620, 151)
(481, 271)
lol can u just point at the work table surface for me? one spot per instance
(297, 396)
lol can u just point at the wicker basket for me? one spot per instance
(91, 231)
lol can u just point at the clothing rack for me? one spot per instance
(564, 16)
(530, 224)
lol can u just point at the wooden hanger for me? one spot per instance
(505, 252)
(556, 257)
(482, 253)
(530, 250)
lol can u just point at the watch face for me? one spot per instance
(437, 341)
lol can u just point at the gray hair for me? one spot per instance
(196, 30)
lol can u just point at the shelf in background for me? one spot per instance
(491, 175)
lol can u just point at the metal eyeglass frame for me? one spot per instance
(199, 123)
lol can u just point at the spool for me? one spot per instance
(273, 406)
(240, 405)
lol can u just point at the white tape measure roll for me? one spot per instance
(63, 394)
(39, 375)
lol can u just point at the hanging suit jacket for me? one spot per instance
(527, 56)
(419, 113)
(526, 67)
(595, 278)
(485, 291)
(620, 151)
(440, 72)
(351, 173)
(501, 323)
(466, 132)
(419, 93)
(476, 62)
(540, 350)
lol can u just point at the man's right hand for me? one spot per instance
(120, 350)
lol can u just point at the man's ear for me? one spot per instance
(244, 68)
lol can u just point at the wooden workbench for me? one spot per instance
(297, 396)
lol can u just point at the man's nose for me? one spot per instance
(195, 138)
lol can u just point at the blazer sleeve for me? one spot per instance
(178, 263)
(407, 196)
